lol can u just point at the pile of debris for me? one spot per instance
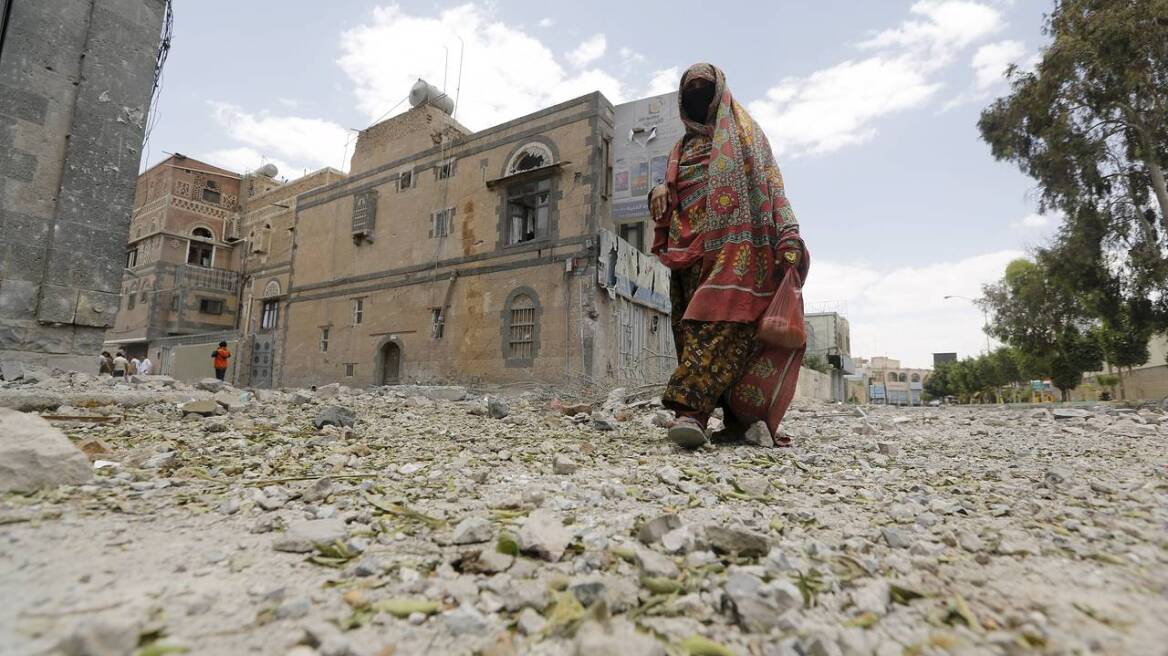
(415, 520)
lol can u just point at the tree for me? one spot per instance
(1090, 124)
(939, 384)
(1045, 320)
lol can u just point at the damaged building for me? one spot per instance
(490, 256)
(444, 255)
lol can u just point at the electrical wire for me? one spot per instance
(156, 90)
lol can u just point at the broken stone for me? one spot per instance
(334, 415)
(104, 636)
(741, 541)
(543, 535)
(497, 408)
(530, 622)
(874, 597)
(473, 530)
(302, 536)
(757, 607)
(895, 538)
(1014, 542)
(160, 460)
(203, 407)
(465, 620)
(759, 435)
(1070, 413)
(300, 397)
(887, 448)
(617, 637)
(210, 384)
(652, 530)
(564, 465)
(655, 564)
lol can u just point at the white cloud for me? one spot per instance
(835, 107)
(305, 142)
(944, 28)
(1036, 222)
(902, 312)
(630, 56)
(665, 80)
(547, 22)
(244, 160)
(839, 106)
(588, 51)
(507, 72)
(991, 61)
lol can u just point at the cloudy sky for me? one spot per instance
(871, 108)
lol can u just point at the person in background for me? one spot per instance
(132, 370)
(120, 364)
(219, 358)
(146, 367)
(105, 363)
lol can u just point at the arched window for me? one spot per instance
(272, 289)
(200, 253)
(892, 376)
(916, 378)
(521, 314)
(531, 156)
(903, 378)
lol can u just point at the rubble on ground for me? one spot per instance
(414, 520)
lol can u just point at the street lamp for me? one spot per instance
(984, 315)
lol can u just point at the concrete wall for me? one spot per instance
(813, 386)
(75, 84)
(192, 362)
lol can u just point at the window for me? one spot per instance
(892, 376)
(358, 310)
(527, 211)
(210, 306)
(270, 315)
(174, 302)
(364, 215)
(324, 339)
(634, 233)
(903, 378)
(445, 170)
(131, 300)
(441, 222)
(131, 257)
(211, 192)
(201, 255)
(405, 180)
(202, 233)
(350, 369)
(521, 328)
(531, 156)
(916, 378)
(437, 323)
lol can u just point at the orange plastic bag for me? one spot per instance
(782, 325)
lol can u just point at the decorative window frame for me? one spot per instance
(505, 328)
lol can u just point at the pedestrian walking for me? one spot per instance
(726, 231)
(219, 359)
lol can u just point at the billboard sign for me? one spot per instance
(645, 132)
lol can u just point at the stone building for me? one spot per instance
(200, 239)
(76, 78)
(890, 383)
(454, 255)
(181, 262)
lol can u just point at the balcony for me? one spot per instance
(195, 277)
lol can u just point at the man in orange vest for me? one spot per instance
(219, 357)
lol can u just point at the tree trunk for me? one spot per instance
(1155, 171)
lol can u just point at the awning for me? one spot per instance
(128, 340)
(523, 176)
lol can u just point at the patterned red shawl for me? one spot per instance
(735, 228)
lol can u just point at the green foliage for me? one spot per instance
(1090, 125)
(818, 363)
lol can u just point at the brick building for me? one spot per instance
(75, 84)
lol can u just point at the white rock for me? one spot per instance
(473, 530)
(35, 455)
(303, 535)
(544, 535)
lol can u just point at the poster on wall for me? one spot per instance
(644, 134)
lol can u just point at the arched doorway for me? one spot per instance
(390, 364)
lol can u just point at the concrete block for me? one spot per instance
(18, 299)
(96, 309)
(22, 104)
(17, 165)
(57, 305)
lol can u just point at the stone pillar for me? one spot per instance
(75, 83)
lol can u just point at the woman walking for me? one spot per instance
(725, 229)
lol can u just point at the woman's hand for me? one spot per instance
(658, 199)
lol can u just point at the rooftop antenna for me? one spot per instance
(445, 67)
(458, 88)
